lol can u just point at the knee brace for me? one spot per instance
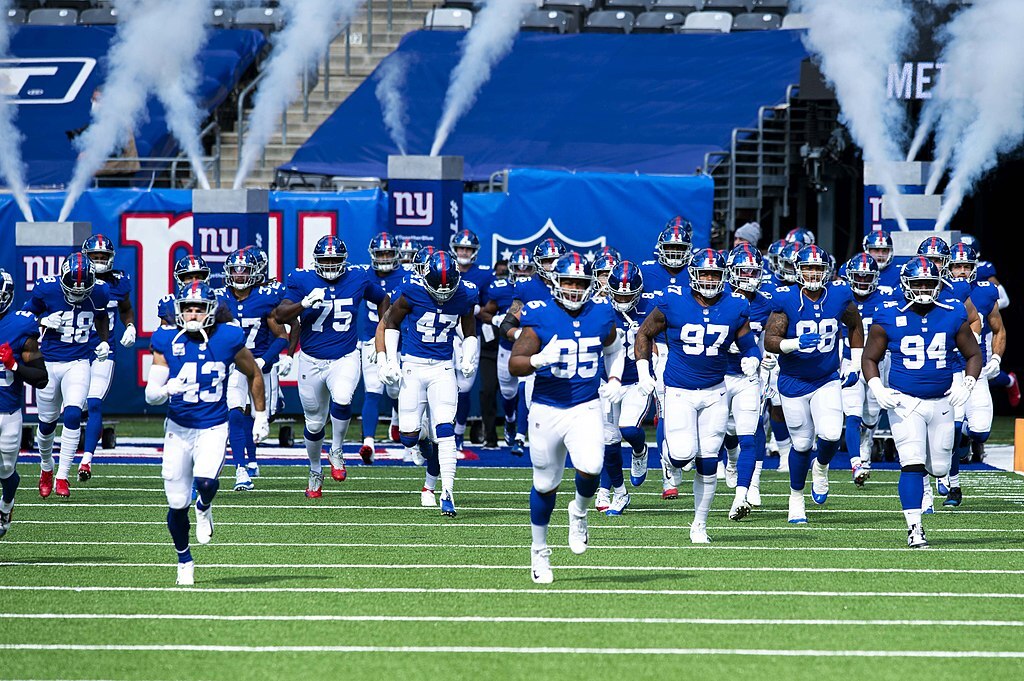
(409, 440)
(207, 488)
(914, 468)
(47, 428)
(342, 412)
(706, 465)
(444, 430)
(315, 435)
(73, 417)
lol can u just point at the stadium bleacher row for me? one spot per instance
(634, 16)
(263, 16)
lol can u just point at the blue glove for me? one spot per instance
(809, 340)
(851, 379)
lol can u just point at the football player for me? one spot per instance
(187, 269)
(100, 251)
(801, 236)
(407, 249)
(921, 336)
(803, 330)
(625, 411)
(878, 244)
(325, 301)
(465, 246)
(427, 315)
(700, 323)
(386, 265)
(860, 408)
(72, 311)
(191, 363)
(745, 435)
(501, 294)
(252, 303)
(563, 341)
(673, 249)
(22, 363)
(771, 273)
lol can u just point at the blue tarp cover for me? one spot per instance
(48, 152)
(597, 102)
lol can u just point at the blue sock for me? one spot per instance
(606, 480)
(748, 459)
(10, 486)
(635, 437)
(954, 464)
(613, 465)
(177, 523)
(706, 465)
(911, 489)
(250, 444)
(799, 464)
(207, 488)
(659, 433)
(760, 444)
(371, 412)
(853, 424)
(522, 413)
(961, 444)
(586, 487)
(46, 428)
(236, 436)
(827, 449)
(1000, 380)
(462, 409)
(428, 450)
(541, 507)
(93, 425)
(509, 406)
(779, 429)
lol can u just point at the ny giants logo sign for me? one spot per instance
(36, 266)
(414, 209)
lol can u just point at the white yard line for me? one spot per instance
(510, 650)
(512, 620)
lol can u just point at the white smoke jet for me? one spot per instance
(310, 27)
(855, 41)
(154, 51)
(924, 128)
(11, 166)
(983, 112)
(390, 81)
(494, 30)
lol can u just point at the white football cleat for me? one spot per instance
(819, 482)
(253, 468)
(732, 476)
(867, 441)
(916, 538)
(427, 498)
(204, 525)
(928, 501)
(797, 511)
(578, 535)
(243, 483)
(740, 509)
(699, 533)
(620, 502)
(783, 463)
(186, 574)
(638, 468)
(603, 500)
(540, 566)
(754, 496)
(860, 474)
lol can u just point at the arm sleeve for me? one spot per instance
(615, 357)
(155, 393)
(273, 353)
(748, 345)
(33, 373)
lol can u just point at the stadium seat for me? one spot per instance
(221, 18)
(779, 7)
(17, 16)
(793, 21)
(683, 7)
(462, 4)
(658, 22)
(609, 21)
(576, 8)
(266, 19)
(549, 21)
(733, 7)
(635, 6)
(707, 22)
(53, 17)
(448, 19)
(79, 5)
(98, 16)
(756, 22)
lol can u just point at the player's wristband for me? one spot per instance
(995, 358)
(789, 345)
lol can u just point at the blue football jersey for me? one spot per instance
(328, 329)
(368, 317)
(922, 348)
(889, 278)
(985, 270)
(119, 286)
(252, 313)
(630, 323)
(16, 327)
(429, 329)
(204, 365)
(77, 337)
(867, 308)
(804, 371)
(699, 337)
(759, 311)
(533, 289)
(657, 278)
(165, 310)
(502, 292)
(580, 339)
(985, 296)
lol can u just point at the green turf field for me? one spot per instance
(365, 584)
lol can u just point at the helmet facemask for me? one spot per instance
(812, 276)
(572, 298)
(330, 266)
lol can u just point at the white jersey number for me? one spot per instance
(74, 327)
(693, 336)
(828, 329)
(915, 352)
(436, 328)
(342, 317)
(579, 357)
(190, 372)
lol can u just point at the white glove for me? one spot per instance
(959, 395)
(260, 426)
(497, 319)
(260, 362)
(284, 365)
(770, 361)
(887, 397)
(313, 297)
(128, 338)
(390, 373)
(102, 350)
(468, 365)
(175, 386)
(749, 365)
(991, 368)
(645, 381)
(53, 321)
(611, 391)
(549, 354)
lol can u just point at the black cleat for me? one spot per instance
(977, 452)
(954, 498)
